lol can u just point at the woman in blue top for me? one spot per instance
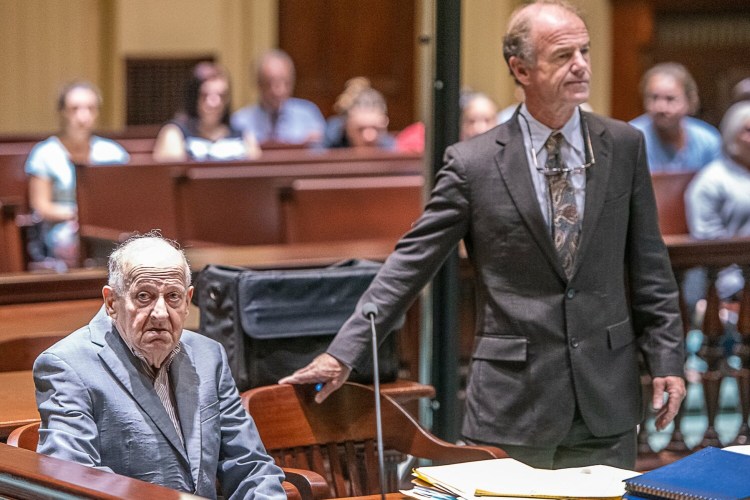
(51, 172)
(203, 131)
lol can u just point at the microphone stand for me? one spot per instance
(370, 311)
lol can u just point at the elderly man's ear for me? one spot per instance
(190, 291)
(109, 300)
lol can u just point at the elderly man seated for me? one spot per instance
(135, 394)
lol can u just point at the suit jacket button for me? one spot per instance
(573, 342)
(571, 293)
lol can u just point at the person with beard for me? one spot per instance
(675, 141)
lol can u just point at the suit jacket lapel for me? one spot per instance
(514, 168)
(597, 178)
(182, 374)
(121, 362)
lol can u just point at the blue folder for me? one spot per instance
(708, 474)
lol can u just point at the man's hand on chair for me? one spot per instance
(323, 369)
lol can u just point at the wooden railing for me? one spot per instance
(725, 329)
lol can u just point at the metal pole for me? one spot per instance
(446, 112)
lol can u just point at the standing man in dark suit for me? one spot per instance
(573, 279)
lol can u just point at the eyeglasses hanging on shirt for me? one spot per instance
(589, 152)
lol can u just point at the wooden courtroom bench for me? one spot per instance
(669, 190)
(350, 208)
(236, 203)
(12, 175)
(12, 256)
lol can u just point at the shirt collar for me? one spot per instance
(540, 132)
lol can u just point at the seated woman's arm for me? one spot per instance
(170, 144)
(40, 199)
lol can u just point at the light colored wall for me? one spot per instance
(44, 44)
(48, 42)
(233, 31)
(483, 67)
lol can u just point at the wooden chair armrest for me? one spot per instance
(444, 452)
(292, 493)
(311, 485)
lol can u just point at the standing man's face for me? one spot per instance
(150, 314)
(276, 83)
(560, 77)
(666, 102)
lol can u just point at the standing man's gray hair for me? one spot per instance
(517, 40)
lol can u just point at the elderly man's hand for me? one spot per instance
(324, 368)
(675, 389)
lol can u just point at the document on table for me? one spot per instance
(508, 478)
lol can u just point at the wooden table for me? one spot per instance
(289, 256)
(17, 401)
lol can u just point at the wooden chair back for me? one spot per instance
(25, 437)
(669, 189)
(337, 438)
(19, 353)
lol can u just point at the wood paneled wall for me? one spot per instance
(710, 37)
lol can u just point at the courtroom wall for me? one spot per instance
(47, 43)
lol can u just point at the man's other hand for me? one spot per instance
(324, 368)
(675, 389)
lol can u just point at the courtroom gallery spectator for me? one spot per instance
(675, 141)
(52, 178)
(741, 91)
(361, 120)
(278, 117)
(135, 394)
(202, 131)
(411, 139)
(478, 114)
(718, 199)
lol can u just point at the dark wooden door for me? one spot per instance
(331, 41)
(710, 37)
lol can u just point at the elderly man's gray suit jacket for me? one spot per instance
(99, 409)
(543, 344)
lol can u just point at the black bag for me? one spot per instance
(273, 322)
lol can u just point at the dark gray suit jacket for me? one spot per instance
(99, 410)
(543, 344)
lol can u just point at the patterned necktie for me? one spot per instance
(566, 228)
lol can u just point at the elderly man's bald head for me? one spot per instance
(151, 249)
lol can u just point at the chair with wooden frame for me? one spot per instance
(299, 484)
(19, 353)
(337, 438)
